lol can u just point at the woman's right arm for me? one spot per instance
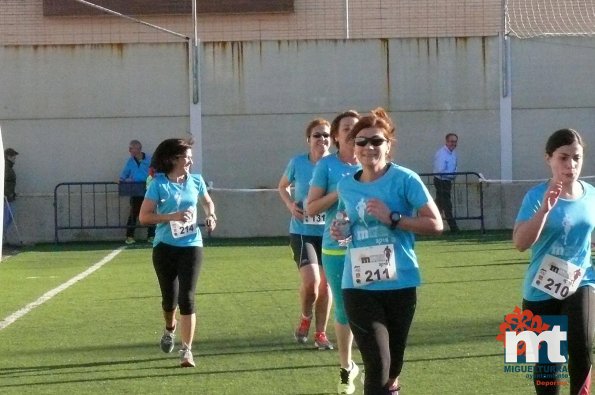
(526, 233)
(284, 191)
(148, 216)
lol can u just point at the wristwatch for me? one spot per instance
(395, 217)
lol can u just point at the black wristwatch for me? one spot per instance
(395, 217)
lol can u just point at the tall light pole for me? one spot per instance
(195, 103)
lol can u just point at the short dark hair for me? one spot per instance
(166, 152)
(560, 138)
(451, 134)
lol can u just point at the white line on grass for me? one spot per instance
(50, 294)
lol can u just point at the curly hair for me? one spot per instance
(166, 152)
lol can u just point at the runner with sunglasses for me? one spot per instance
(305, 235)
(322, 198)
(387, 204)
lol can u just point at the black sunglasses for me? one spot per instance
(375, 141)
(319, 135)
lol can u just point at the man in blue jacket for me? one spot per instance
(136, 171)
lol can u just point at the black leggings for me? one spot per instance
(380, 322)
(177, 270)
(580, 309)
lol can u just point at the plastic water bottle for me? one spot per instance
(344, 226)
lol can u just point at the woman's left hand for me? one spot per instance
(210, 224)
(379, 209)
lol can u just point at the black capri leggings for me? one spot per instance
(307, 250)
(380, 322)
(177, 270)
(580, 309)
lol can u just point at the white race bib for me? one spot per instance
(182, 229)
(557, 277)
(372, 264)
(316, 219)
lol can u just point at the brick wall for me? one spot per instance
(22, 23)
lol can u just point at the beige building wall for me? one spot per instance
(22, 23)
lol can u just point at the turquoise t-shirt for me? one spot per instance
(327, 173)
(401, 190)
(170, 197)
(299, 173)
(565, 235)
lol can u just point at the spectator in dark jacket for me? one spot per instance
(10, 182)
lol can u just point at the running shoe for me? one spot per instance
(186, 358)
(167, 341)
(322, 342)
(301, 333)
(130, 240)
(393, 390)
(346, 377)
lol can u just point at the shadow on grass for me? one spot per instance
(202, 293)
(460, 357)
(480, 248)
(471, 281)
(169, 371)
(225, 345)
(471, 235)
(453, 330)
(42, 368)
(505, 263)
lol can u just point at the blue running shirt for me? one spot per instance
(327, 173)
(170, 197)
(299, 173)
(401, 190)
(565, 235)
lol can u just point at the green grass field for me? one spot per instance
(101, 334)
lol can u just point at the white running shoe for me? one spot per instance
(186, 359)
(346, 378)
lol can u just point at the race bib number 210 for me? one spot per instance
(557, 277)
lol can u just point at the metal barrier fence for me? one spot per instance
(93, 205)
(467, 195)
(105, 205)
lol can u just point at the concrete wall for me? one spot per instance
(551, 89)
(258, 96)
(71, 110)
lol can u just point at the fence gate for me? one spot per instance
(93, 205)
